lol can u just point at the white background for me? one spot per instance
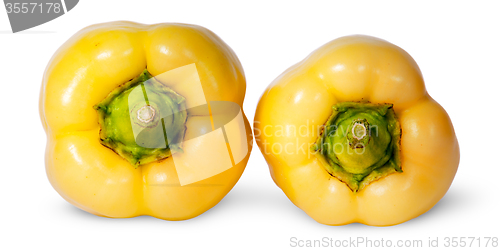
(455, 44)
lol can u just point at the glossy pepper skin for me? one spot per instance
(96, 61)
(356, 69)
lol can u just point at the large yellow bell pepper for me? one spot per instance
(122, 143)
(351, 135)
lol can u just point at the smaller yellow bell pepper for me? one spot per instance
(350, 134)
(144, 120)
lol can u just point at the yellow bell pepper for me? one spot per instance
(144, 120)
(350, 134)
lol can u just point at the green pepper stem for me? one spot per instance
(358, 131)
(132, 120)
(351, 151)
(146, 114)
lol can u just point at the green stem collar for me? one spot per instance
(360, 143)
(142, 120)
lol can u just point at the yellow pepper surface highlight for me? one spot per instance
(101, 59)
(350, 71)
